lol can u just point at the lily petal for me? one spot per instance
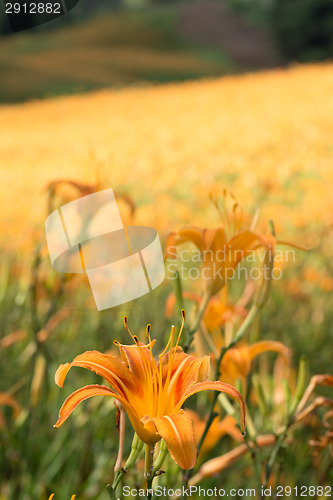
(221, 387)
(138, 358)
(237, 361)
(109, 367)
(186, 370)
(240, 245)
(214, 239)
(177, 432)
(81, 395)
(268, 345)
(193, 234)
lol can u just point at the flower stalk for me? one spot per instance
(136, 449)
(201, 311)
(149, 468)
(121, 428)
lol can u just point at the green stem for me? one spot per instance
(290, 418)
(239, 335)
(137, 446)
(149, 468)
(274, 454)
(179, 292)
(201, 312)
(245, 325)
(254, 455)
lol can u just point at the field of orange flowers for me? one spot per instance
(240, 163)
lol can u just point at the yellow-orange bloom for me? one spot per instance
(222, 249)
(220, 255)
(236, 363)
(152, 392)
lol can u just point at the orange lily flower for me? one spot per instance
(152, 392)
(236, 362)
(220, 255)
(222, 249)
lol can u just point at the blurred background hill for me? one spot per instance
(124, 42)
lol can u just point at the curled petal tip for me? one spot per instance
(61, 374)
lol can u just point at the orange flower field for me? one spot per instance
(235, 174)
(267, 136)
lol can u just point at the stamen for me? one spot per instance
(148, 366)
(129, 331)
(169, 341)
(255, 219)
(174, 350)
(154, 370)
(223, 212)
(271, 223)
(181, 328)
(233, 196)
(234, 211)
(148, 328)
(160, 380)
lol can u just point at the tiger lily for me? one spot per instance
(222, 249)
(220, 255)
(236, 363)
(151, 391)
